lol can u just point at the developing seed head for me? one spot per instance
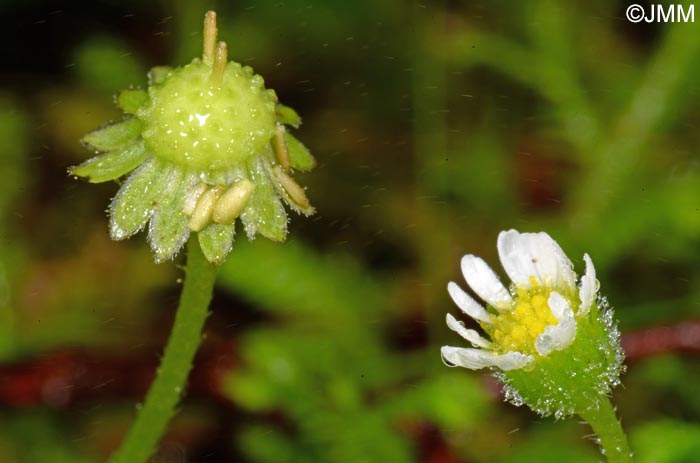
(204, 146)
(196, 124)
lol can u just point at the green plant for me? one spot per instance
(207, 144)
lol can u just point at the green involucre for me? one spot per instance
(265, 213)
(112, 165)
(168, 230)
(216, 241)
(113, 136)
(568, 381)
(288, 116)
(136, 199)
(131, 100)
(299, 156)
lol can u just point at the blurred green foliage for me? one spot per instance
(103, 63)
(14, 128)
(435, 125)
(37, 437)
(680, 442)
(345, 389)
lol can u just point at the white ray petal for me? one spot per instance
(475, 359)
(561, 335)
(484, 281)
(526, 255)
(559, 306)
(470, 335)
(588, 290)
(468, 305)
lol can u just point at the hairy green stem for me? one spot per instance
(166, 390)
(605, 424)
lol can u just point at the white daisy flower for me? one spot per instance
(545, 323)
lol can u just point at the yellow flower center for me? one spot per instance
(517, 329)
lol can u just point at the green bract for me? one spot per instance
(205, 144)
(568, 381)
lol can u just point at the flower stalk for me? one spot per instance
(166, 390)
(611, 436)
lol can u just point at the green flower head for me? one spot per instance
(552, 342)
(206, 144)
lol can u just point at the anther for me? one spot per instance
(201, 217)
(231, 203)
(281, 152)
(295, 192)
(193, 197)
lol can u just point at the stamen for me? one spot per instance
(201, 217)
(231, 203)
(281, 152)
(217, 74)
(295, 192)
(193, 197)
(210, 33)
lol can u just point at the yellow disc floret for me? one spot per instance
(517, 329)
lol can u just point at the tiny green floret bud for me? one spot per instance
(204, 145)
